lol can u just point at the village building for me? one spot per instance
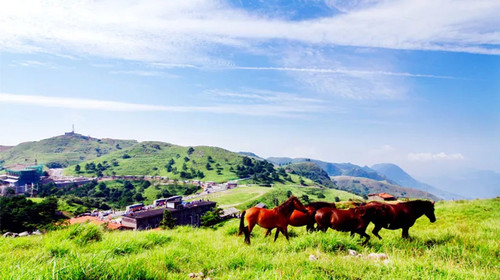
(381, 197)
(184, 213)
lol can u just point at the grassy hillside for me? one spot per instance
(244, 197)
(463, 243)
(61, 151)
(311, 171)
(176, 162)
(365, 186)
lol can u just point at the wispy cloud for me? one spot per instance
(351, 72)
(434, 157)
(192, 32)
(265, 96)
(117, 106)
(34, 63)
(144, 73)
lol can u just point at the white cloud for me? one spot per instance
(434, 157)
(192, 31)
(287, 110)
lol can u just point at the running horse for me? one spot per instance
(277, 217)
(354, 220)
(300, 219)
(401, 215)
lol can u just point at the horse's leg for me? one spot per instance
(251, 224)
(268, 232)
(277, 233)
(285, 232)
(363, 234)
(405, 233)
(376, 230)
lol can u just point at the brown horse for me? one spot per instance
(354, 220)
(401, 215)
(300, 219)
(270, 218)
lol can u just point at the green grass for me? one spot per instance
(64, 150)
(463, 244)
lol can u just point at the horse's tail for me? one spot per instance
(242, 223)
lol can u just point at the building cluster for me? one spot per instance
(184, 213)
(21, 178)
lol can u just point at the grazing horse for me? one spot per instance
(354, 220)
(401, 215)
(270, 218)
(300, 219)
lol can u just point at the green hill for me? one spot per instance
(178, 162)
(463, 243)
(311, 171)
(364, 186)
(62, 151)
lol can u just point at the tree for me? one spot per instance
(301, 181)
(77, 168)
(168, 221)
(212, 217)
(190, 150)
(289, 193)
(305, 198)
(337, 199)
(321, 195)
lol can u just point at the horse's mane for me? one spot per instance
(320, 204)
(286, 206)
(419, 204)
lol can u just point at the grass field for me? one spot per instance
(463, 243)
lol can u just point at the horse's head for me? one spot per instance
(297, 205)
(429, 211)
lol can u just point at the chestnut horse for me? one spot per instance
(270, 218)
(401, 215)
(354, 220)
(300, 219)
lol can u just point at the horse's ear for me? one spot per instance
(433, 202)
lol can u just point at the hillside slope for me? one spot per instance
(462, 244)
(365, 186)
(311, 171)
(398, 175)
(178, 162)
(62, 151)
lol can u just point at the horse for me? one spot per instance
(277, 217)
(401, 215)
(354, 220)
(299, 219)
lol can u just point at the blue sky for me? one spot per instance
(415, 83)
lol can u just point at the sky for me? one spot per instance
(415, 83)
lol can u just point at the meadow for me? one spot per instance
(463, 243)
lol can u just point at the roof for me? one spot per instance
(261, 205)
(230, 211)
(159, 211)
(382, 195)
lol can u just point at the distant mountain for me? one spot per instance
(4, 148)
(399, 176)
(249, 154)
(311, 171)
(62, 151)
(365, 186)
(334, 169)
(473, 184)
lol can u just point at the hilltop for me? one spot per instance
(179, 162)
(62, 151)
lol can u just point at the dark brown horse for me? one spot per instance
(300, 219)
(401, 215)
(354, 220)
(277, 217)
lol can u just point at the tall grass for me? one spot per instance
(463, 243)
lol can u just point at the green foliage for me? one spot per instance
(168, 221)
(212, 217)
(19, 214)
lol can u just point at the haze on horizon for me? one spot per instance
(413, 83)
